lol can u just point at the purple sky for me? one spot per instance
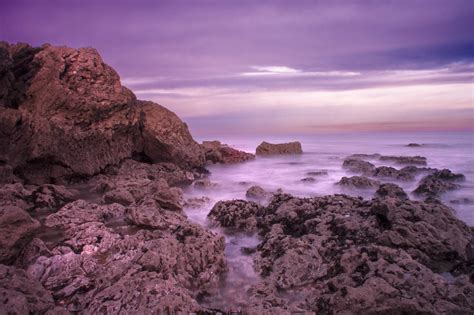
(276, 66)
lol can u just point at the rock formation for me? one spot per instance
(64, 114)
(216, 152)
(266, 148)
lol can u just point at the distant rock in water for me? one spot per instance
(216, 152)
(64, 114)
(414, 145)
(438, 183)
(407, 160)
(360, 182)
(266, 148)
(256, 192)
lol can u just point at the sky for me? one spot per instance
(276, 67)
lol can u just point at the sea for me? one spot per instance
(323, 152)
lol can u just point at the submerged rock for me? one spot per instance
(358, 166)
(438, 183)
(360, 182)
(266, 148)
(414, 145)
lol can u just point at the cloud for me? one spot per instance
(287, 71)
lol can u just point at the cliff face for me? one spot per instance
(64, 114)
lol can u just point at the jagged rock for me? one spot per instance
(160, 247)
(360, 182)
(358, 166)
(256, 192)
(438, 183)
(65, 114)
(348, 255)
(21, 294)
(266, 148)
(120, 195)
(142, 292)
(391, 172)
(216, 152)
(391, 190)
(238, 214)
(16, 230)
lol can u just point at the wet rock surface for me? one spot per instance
(438, 183)
(360, 182)
(236, 214)
(266, 148)
(339, 254)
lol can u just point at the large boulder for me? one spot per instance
(65, 114)
(266, 148)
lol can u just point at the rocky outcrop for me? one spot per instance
(216, 152)
(438, 183)
(358, 166)
(359, 182)
(414, 145)
(338, 254)
(266, 148)
(64, 114)
(111, 257)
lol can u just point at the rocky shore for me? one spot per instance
(92, 219)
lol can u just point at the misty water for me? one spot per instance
(454, 151)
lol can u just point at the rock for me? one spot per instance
(438, 183)
(141, 292)
(308, 180)
(20, 294)
(7, 176)
(16, 230)
(169, 259)
(120, 195)
(391, 172)
(410, 160)
(70, 117)
(465, 201)
(256, 192)
(317, 173)
(204, 183)
(359, 182)
(216, 152)
(237, 214)
(348, 255)
(52, 197)
(391, 190)
(266, 148)
(414, 145)
(196, 202)
(358, 166)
